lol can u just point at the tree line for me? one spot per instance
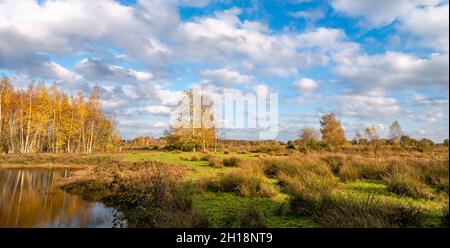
(45, 119)
(185, 136)
(332, 135)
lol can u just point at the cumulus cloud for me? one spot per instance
(156, 110)
(226, 37)
(312, 15)
(427, 19)
(392, 70)
(30, 29)
(136, 52)
(370, 107)
(378, 13)
(431, 24)
(306, 85)
(98, 69)
(227, 77)
(431, 117)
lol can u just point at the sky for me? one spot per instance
(369, 62)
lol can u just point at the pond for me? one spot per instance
(30, 198)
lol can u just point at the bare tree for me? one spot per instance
(308, 134)
(395, 132)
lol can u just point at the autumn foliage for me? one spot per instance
(42, 119)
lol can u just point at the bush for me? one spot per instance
(445, 217)
(231, 162)
(351, 211)
(357, 168)
(251, 216)
(194, 158)
(335, 163)
(349, 173)
(158, 200)
(215, 162)
(407, 184)
(436, 174)
(243, 182)
(273, 167)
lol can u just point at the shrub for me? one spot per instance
(445, 216)
(250, 216)
(215, 162)
(231, 162)
(194, 158)
(273, 167)
(335, 163)
(357, 168)
(352, 211)
(156, 200)
(349, 173)
(206, 157)
(408, 184)
(243, 182)
(306, 191)
(436, 174)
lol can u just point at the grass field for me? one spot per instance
(260, 190)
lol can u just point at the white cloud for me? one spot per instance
(378, 13)
(224, 38)
(98, 69)
(280, 72)
(370, 107)
(306, 85)
(312, 15)
(227, 77)
(426, 19)
(392, 70)
(430, 23)
(156, 110)
(30, 29)
(431, 117)
(142, 124)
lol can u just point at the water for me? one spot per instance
(30, 198)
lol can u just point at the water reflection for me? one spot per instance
(29, 198)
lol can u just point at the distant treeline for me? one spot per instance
(45, 119)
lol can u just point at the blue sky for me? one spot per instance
(369, 62)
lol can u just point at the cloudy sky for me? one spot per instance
(370, 62)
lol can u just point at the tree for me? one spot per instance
(371, 134)
(5, 100)
(194, 126)
(359, 139)
(405, 140)
(372, 137)
(424, 145)
(395, 132)
(42, 119)
(308, 134)
(331, 129)
(445, 142)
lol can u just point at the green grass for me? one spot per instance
(363, 188)
(217, 205)
(199, 168)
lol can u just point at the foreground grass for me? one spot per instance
(218, 206)
(199, 168)
(257, 192)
